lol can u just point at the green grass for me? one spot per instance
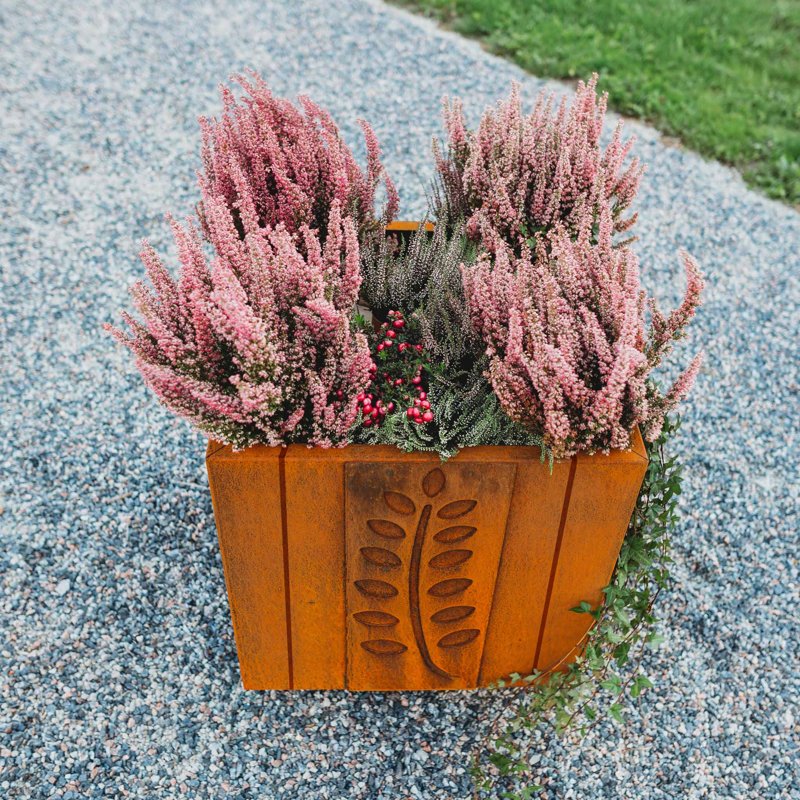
(723, 76)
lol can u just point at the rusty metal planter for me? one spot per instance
(366, 568)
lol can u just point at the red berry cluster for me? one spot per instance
(398, 378)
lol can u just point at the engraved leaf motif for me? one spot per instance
(453, 614)
(389, 530)
(380, 556)
(450, 587)
(433, 482)
(376, 619)
(458, 508)
(384, 647)
(457, 533)
(450, 559)
(399, 502)
(374, 588)
(459, 638)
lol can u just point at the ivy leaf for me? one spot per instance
(640, 682)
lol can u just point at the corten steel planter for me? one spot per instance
(366, 568)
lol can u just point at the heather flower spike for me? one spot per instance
(255, 345)
(518, 175)
(272, 163)
(565, 332)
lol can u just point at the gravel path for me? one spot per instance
(118, 668)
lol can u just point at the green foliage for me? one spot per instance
(468, 414)
(719, 74)
(609, 670)
(422, 279)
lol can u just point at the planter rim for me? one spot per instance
(382, 452)
(404, 225)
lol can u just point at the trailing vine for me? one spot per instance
(580, 694)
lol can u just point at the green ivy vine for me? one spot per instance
(609, 670)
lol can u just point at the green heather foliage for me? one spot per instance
(422, 279)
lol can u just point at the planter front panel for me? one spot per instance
(423, 544)
(370, 569)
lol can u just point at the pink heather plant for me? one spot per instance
(255, 346)
(522, 175)
(272, 163)
(564, 327)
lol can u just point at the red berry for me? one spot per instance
(418, 348)
(425, 403)
(390, 407)
(416, 380)
(399, 323)
(391, 334)
(387, 343)
(410, 412)
(367, 422)
(360, 396)
(418, 403)
(398, 382)
(402, 346)
(423, 395)
(379, 347)
(428, 416)
(374, 413)
(419, 420)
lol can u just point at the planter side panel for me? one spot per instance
(601, 501)
(245, 490)
(522, 580)
(315, 535)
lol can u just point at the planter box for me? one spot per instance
(366, 568)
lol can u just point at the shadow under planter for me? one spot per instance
(367, 568)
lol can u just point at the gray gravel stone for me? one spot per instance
(119, 676)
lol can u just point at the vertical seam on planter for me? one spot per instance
(556, 553)
(285, 535)
(490, 615)
(346, 628)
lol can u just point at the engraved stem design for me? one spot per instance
(382, 560)
(413, 591)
